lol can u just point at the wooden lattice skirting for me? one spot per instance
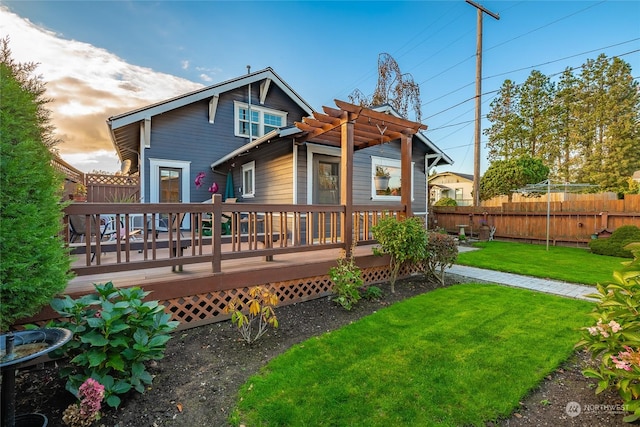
(207, 308)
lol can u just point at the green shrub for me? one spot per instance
(346, 278)
(371, 292)
(404, 240)
(442, 252)
(446, 201)
(114, 333)
(35, 264)
(615, 336)
(615, 244)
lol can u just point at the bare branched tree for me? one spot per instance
(393, 88)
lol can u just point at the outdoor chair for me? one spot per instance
(97, 227)
(78, 228)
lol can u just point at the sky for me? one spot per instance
(103, 58)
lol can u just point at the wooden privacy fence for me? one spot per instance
(112, 188)
(569, 222)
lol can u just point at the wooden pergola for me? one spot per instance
(352, 127)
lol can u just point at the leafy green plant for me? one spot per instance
(616, 243)
(615, 337)
(404, 240)
(114, 333)
(442, 252)
(382, 172)
(35, 263)
(123, 198)
(371, 292)
(262, 313)
(347, 279)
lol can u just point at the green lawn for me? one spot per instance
(573, 265)
(460, 355)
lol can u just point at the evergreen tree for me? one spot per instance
(35, 263)
(565, 162)
(506, 134)
(536, 102)
(586, 131)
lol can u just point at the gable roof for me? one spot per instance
(372, 127)
(125, 129)
(465, 176)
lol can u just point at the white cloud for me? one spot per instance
(205, 78)
(185, 64)
(88, 85)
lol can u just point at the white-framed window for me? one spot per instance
(390, 189)
(262, 120)
(249, 180)
(458, 194)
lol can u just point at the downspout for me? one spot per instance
(249, 109)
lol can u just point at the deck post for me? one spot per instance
(346, 184)
(405, 165)
(216, 234)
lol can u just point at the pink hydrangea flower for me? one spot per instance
(90, 393)
(615, 326)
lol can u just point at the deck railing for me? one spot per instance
(133, 236)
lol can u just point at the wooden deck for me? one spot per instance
(199, 271)
(289, 248)
(197, 296)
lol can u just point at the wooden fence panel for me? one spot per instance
(112, 188)
(632, 202)
(576, 227)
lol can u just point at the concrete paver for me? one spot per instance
(555, 287)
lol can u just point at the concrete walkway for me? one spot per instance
(555, 287)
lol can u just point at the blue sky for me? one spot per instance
(101, 58)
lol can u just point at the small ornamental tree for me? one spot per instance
(405, 241)
(505, 176)
(35, 264)
(442, 252)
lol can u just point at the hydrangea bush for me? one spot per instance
(615, 336)
(115, 331)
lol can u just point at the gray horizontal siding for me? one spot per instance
(185, 134)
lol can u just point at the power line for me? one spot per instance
(520, 84)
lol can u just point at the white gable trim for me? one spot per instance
(206, 93)
(264, 89)
(213, 106)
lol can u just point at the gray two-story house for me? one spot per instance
(242, 135)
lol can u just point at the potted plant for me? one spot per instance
(381, 178)
(80, 193)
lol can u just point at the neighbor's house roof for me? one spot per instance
(465, 176)
(126, 129)
(437, 156)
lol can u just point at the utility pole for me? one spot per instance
(476, 155)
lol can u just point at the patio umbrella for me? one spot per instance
(228, 191)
